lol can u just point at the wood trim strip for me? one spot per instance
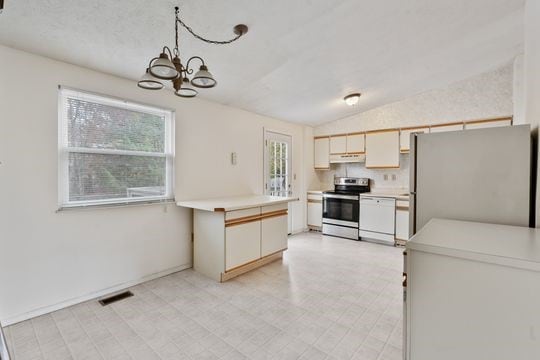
(448, 124)
(381, 131)
(342, 153)
(322, 168)
(415, 127)
(281, 211)
(242, 220)
(404, 208)
(356, 152)
(489, 120)
(404, 151)
(357, 133)
(321, 137)
(253, 218)
(383, 167)
(274, 214)
(239, 270)
(314, 201)
(338, 135)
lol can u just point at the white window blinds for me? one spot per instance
(113, 151)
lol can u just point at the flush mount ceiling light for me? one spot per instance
(352, 99)
(168, 66)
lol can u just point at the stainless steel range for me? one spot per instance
(341, 207)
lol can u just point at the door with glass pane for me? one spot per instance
(277, 169)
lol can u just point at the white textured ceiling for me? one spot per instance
(299, 58)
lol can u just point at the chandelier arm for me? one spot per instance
(150, 63)
(190, 71)
(190, 30)
(169, 50)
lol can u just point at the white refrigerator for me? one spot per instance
(481, 175)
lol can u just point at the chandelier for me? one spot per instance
(168, 66)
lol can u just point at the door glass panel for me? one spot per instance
(278, 164)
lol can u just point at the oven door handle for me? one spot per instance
(346, 197)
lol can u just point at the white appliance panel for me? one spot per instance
(477, 175)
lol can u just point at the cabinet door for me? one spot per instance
(405, 138)
(243, 243)
(314, 212)
(273, 234)
(444, 128)
(382, 149)
(356, 143)
(487, 124)
(338, 144)
(402, 224)
(321, 151)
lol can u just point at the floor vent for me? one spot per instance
(111, 299)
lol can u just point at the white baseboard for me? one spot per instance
(93, 295)
(299, 231)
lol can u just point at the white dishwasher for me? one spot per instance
(377, 219)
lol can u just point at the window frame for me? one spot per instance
(64, 149)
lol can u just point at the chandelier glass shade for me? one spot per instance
(149, 82)
(169, 67)
(185, 89)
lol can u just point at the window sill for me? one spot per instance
(115, 205)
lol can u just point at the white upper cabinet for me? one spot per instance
(338, 144)
(321, 149)
(356, 143)
(447, 127)
(382, 149)
(405, 138)
(487, 124)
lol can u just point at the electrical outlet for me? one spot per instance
(233, 158)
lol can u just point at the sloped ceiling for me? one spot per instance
(300, 57)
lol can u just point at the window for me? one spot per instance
(113, 151)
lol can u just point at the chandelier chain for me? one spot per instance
(207, 40)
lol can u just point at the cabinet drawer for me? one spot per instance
(272, 208)
(242, 244)
(236, 214)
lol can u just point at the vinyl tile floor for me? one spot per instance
(329, 298)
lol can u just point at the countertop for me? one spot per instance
(235, 202)
(398, 194)
(316, 192)
(498, 244)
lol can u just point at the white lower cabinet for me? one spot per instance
(273, 234)
(242, 244)
(314, 211)
(402, 220)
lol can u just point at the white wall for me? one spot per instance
(50, 259)
(484, 96)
